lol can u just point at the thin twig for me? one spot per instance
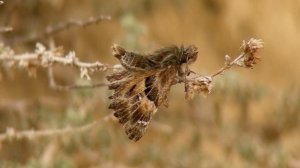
(227, 66)
(11, 134)
(54, 29)
(47, 57)
(246, 59)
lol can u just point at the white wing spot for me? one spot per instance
(143, 122)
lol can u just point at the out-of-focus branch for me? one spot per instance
(5, 29)
(11, 134)
(54, 29)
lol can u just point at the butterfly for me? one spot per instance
(144, 83)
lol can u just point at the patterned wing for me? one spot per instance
(134, 61)
(160, 59)
(137, 96)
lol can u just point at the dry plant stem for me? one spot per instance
(57, 59)
(54, 29)
(248, 58)
(45, 58)
(32, 134)
(226, 67)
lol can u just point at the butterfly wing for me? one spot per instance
(137, 96)
(160, 59)
(134, 61)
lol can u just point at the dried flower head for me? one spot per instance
(199, 85)
(249, 50)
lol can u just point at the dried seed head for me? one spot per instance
(199, 85)
(249, 50)
(252, 45)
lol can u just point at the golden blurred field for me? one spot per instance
(251, 118)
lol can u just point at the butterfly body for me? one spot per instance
(144, 83)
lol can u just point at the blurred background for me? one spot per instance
(251, 118)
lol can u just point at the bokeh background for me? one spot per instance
(251, 118)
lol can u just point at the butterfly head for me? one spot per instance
(189, 54)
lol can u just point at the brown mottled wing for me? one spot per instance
(159, 59)
(137, 96)
(134, 61)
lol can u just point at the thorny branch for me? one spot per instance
(42, 57)
(11, 134)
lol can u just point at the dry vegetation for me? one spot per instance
(53, 103)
